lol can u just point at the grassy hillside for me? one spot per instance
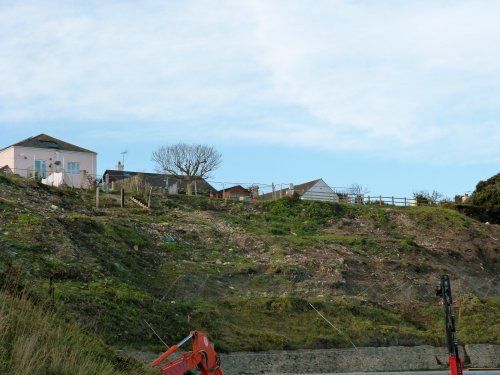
(248, 273)
(34, 340)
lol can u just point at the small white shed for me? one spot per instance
(317, 190)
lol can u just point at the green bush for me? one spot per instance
(487, 196)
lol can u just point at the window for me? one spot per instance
(40, 169)
(73, 168)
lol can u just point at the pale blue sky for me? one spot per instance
(398, 96)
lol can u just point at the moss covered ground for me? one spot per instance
(248, 273)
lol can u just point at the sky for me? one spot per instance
(398, 96)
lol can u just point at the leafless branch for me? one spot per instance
(190, 162)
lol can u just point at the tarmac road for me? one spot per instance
(466, 372)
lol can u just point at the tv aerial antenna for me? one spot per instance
(125, 152)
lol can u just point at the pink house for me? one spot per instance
(53, 161)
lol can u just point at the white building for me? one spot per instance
(52, 160)
(316, 190)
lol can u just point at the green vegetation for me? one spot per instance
(246, 273)
(483, 204)
(34, 340)
(487, 196)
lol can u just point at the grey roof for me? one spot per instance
(159, 179)
(46, 141)
(303, 188)
(235, 187)
(300, 189)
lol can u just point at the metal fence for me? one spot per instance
(61, 177)
(159, 184)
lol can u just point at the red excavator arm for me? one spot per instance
(203, 357)
(444, 291)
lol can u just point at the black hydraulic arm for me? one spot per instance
(444, 291)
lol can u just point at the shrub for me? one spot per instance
(487, 196)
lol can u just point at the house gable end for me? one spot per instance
(320, 191)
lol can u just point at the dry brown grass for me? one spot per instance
(33, 340)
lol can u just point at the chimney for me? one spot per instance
(119, 166)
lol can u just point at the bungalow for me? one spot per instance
(52, 160)
(236, 192)
(129, 180)
(313, 190)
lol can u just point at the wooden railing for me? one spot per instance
(345, 198)
(392, 201)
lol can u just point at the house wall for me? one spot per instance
(235, 193)
(320, 192)
(7, 157)
(23, 163)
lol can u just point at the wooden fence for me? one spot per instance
(391, 201)
(346, 198)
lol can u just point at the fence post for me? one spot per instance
(151, 190)
(393, 200)
(380, 201)
(83, 177)
(274, 192)
(97, 197)
(405, 201)
(122, 198)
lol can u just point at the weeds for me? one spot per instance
(243, 272)
(33, 340)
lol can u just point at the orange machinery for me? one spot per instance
(202, 356)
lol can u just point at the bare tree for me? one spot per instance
(254, 190)
(423, 197)
(188, 162)
(357, 189)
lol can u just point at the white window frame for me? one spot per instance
(41, 168)
(73, 167)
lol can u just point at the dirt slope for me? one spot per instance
(247, 273)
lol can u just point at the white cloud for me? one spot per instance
(391, 71)
(401, 79)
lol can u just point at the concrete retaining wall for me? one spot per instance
(483, 355)
(395, 358)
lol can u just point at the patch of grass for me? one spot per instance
(292, 272)
(474, 314)
(33, 340)
(435, 217)
(285, 217)
(291, 323)
(12, 179)
(28, 219)
(127, 233)
(473, 320)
